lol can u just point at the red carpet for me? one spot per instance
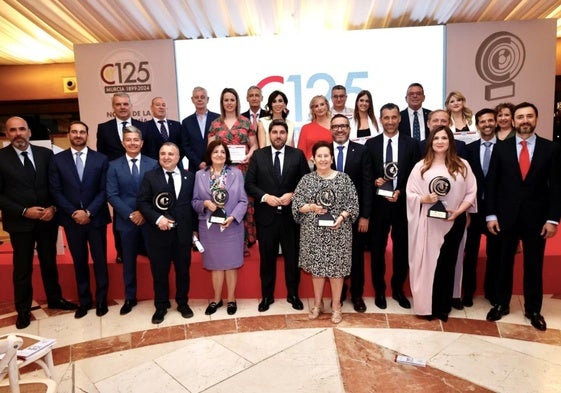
(248, 277)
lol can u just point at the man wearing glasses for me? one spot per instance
(414, 118)
(338, 101)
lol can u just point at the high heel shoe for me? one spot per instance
(316, 311)
(336, 316)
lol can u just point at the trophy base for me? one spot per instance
(385, 193)
(326, 220)
(217, 220)
(438, 214)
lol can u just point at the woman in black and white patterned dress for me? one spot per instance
(325, 251)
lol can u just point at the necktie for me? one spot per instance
(123, 126)
(340, 158)
(524, 159)
(277, 166)
(163, 130)
(171, 183)
(79, 165)
(416, 127)
(135, 173)
(254, 121)
(389, 151)
(486, 157)
(28, 166)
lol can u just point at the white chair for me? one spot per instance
(8, 365)
(43, 358)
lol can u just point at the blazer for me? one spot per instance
(153, 139)
(236, 206)
(155, 182)
(71, 194)
(121, 191)
(247, 114)
(194, 145)
(537, 197)
(405, 126)
(408, 155)
(260, 180)
(108, 141)
(18, 192)
(358, 165)
(473, 157)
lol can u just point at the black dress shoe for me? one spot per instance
(127, 307)
(467, 301)
(101, 309)
(536, 319)
(231, 308)
(457, 303)
(295, 301)
(62, 304)
(159, 315)
(212, 307)
(185, 311)
(426, 317)
(497, 312)
(380, 301)
(358, 304)
(265, 303)
(402, 300)
(23, 320)
(81, 311)
(442, 316)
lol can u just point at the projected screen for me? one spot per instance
(383, 61)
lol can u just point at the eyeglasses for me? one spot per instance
(336, 127)
(339, 96)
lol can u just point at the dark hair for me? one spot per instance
(78, 122)
(278, 122)
(339, 87)
(416, 84)
(485, 111)
(210, 148)
(338, 116)
(319, 144)
(269, 105)
(453, 163)
(370, 111)
(235, 93)
(503, 105)
(525, 105)
(389, 106)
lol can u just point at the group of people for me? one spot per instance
(437, 180)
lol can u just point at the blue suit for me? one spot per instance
(194, 144)
(121, 194)
(70, 195)
(153, 139)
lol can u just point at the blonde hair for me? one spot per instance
(466, 112)
(313, 102)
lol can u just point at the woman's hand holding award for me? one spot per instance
(440, 185)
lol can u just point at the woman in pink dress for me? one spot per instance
(434, 242)
(235, 130)
(318, 129)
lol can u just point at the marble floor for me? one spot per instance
(282, 351)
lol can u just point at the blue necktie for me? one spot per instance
(340, 158)
(486, 157)
(135, 173)
(416, 127)
(79, 165)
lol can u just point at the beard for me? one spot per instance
(525, 129)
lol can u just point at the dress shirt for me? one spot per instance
(482, 148)
(421, 118)
(29, 155)
(120, 126)
(281, 156)
(530, 143)
(395, 151)
(129, 161)
(201, 119)
(176, 179)
(84, 155)
(345, 151)
(166, 125)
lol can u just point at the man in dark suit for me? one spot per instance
(415, 97)
(272, 192)
(352, 158)
(389, 206)
(28, 213)
(160, 130)
(254, 99)
(109, 141)
(78, 178)
(523, 193)
(164, 200)
(478, 155)
(123, 181)
(195, 130)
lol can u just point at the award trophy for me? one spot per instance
(390, 173)
(219, 197)
(163, 202)
(326, 198)
(440, 185)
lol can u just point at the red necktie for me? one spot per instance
(524, 160)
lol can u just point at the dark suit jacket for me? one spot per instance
(153, 138)
(108, 141)
(260, 180)
(194, 145)
(121, 192)
(155, 182)
(473, 157)
(71, 194)
(407, 156)
(247, 114)
(537, 198)
(405, 126)
(18, 192)
(358, 166)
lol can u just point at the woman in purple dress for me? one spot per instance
(220, 188)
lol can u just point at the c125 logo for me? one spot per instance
(310, 83)
(125, 71)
